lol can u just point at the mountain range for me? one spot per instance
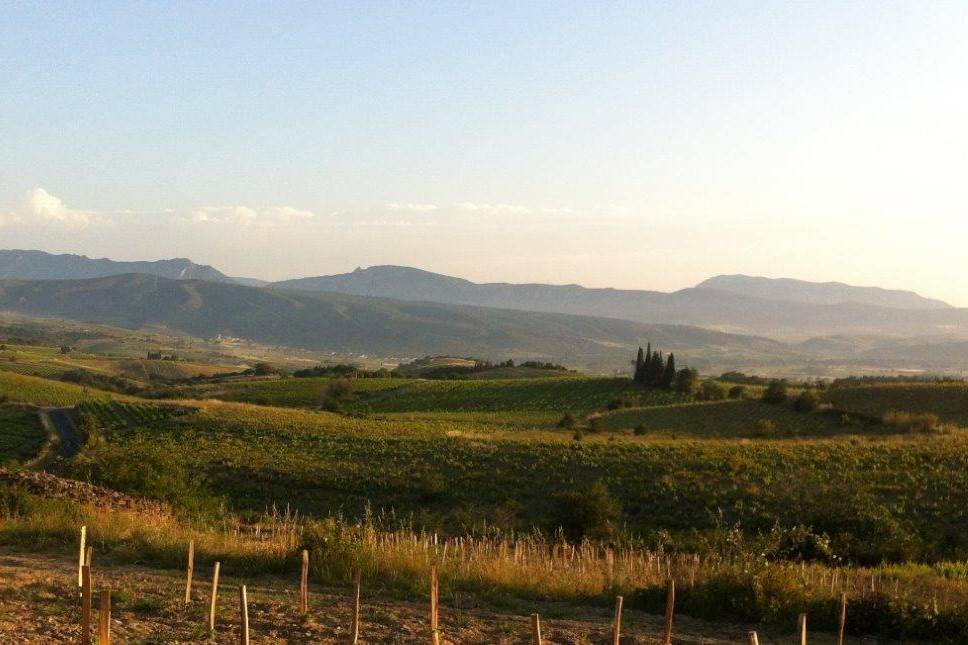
(38, 265)
(782, 309)
(725, 321)
(346, 323)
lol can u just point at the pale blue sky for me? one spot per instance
(644, 145)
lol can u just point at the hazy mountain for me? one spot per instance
(338, 322)
(250, 282)
(819, 293)
(38, 265)
(704, 307)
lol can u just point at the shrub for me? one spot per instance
(335, 394)
(624, 401)
(590, 513)
(775, 392)
(807, 401)
(737, 392)
(800, 543)
(711, 391)
(596, 424)
(567, 421)
(686, 380)
(640, 429)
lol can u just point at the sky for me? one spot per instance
(637, 145)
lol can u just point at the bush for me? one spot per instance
(640, 430)
(711, 391)
(686, 380)
(807, 401)
(596, 424)
(800, 543)
(624, 401)
(335, 394)
(737, 392)
(567, 421)
(590, 513)
(775, 392)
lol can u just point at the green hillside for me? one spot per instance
(326, 321)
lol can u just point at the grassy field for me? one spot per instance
(558, 394)
(21, 433)
(948, 400)
(45, 392)
(735, 419)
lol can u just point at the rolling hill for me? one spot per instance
(339, 322)
(702, 306)
(819, 293)
(38, 265)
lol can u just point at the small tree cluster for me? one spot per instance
(652, 369)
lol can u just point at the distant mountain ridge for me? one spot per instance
(819, 293)
(702, 306)
(383, 327)
(38, 265)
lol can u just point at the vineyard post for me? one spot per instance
(104, 619)
(535, 629)
(304, 584)
(843, 618)
(669, 612)
(617, 623)
(244, 614)
(434, 599)
(802, 629)
(80, 558)
(753, 638)
(190, 570)
(355, 630)
(211, 610)
(85, 638)
(89, 556)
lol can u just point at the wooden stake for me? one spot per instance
(190, 571)
(669, 612)
(843, 619)
(535, 630)
(355, 629)
(80, 558)
(617, 623)
(211, 610)
(104, 619)
(434, 599)
(244, 612)
(802, 629)
(753, 638)
(89, 556)
(85, 638)
(304, 584)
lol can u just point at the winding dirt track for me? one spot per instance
(59, 419)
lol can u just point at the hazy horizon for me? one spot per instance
(640, 145)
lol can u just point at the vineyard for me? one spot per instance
(45, 392)
(736, 419)
(114, 415)
(21, 433)
(894, 499)
(948, 400)
(558, 394)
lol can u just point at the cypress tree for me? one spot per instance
(669, 376)
(639, 364)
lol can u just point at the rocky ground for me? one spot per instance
(39, 604)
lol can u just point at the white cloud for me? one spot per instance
(246, 216)
(413, 208)
(47, 208)
(494, 209)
